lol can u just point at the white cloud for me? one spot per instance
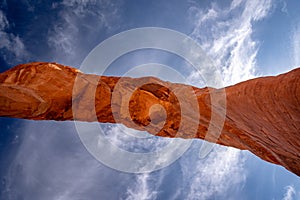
(225, 34)
(12, 44)
(142, 188)
(296, 44)
(79, 23)
(3, 21)
(290, 192)
(52, 163)
(284, 7)
(133, 140)
(220, 175)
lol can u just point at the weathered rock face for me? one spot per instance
(261, 115)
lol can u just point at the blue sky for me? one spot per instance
(46, 160)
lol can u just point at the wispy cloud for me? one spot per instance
(295, 42)
(290, 192)
(145, 185)
(11, 44)
(284, 7)
(52, 163)
(219, 176)
(133, 140)
(225, 34)
(142, 188)
(80, 23)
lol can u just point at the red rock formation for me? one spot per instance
(262, 114)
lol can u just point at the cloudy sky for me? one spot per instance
(47, 160)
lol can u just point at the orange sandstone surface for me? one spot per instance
(261, 115)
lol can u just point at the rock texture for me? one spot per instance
(261, 115)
